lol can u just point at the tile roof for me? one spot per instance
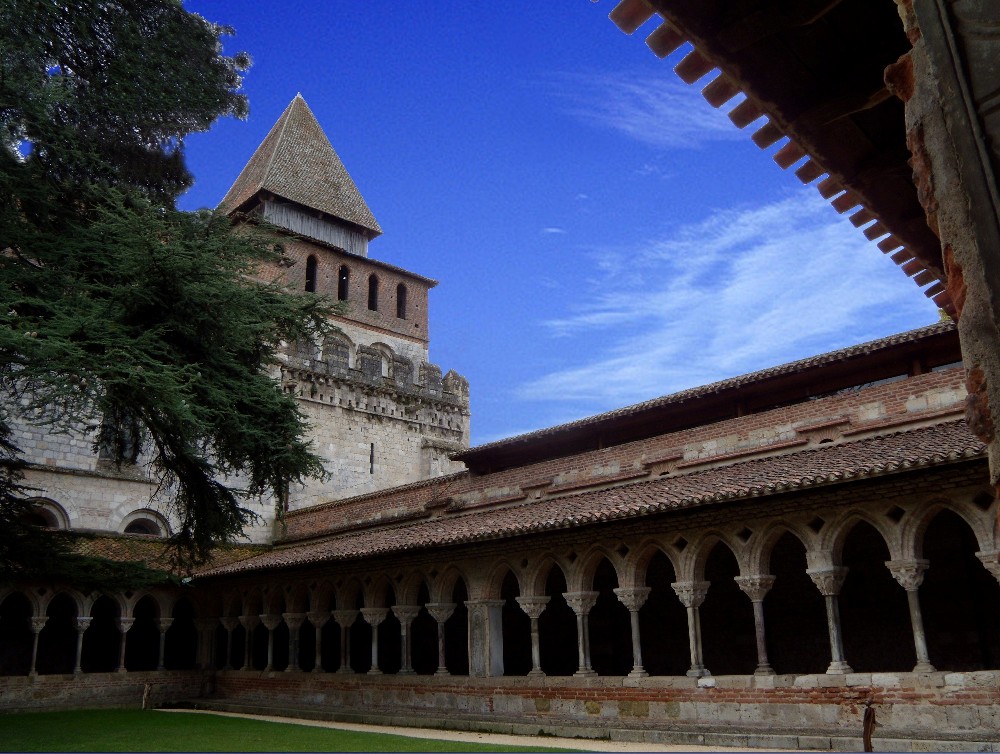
(297, 162)
(151, 551)
(828, 464)
(739, 381)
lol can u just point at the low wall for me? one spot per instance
(914, 712)
(87, 690)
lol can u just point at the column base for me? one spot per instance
(406, 671)
(442, 671)
(924, 667)
(698, 672)
(227, 667)
(374, 671)
(638, 672)
(290, 669)
(536, 673)
(345, 670)
(585, 673)
(764, 670)
(839, 668)
(121, 670)
(318, 669)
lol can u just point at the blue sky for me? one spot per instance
(601, 234)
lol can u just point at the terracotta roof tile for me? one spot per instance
(828, 464)
(297, 162)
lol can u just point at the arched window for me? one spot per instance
(145, 521)
(311, 274)
(401, 301)
(373, 293)
(143, 526)
(343, 280)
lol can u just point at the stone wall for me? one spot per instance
(88, 690)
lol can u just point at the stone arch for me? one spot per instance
(637, 562)
(272, 600)
(837, 532)
(493, 583)
(914, 526)
(727, 622)
(350, 595)
(146, 522)
(296, 597)
(443, 587)
(874, 614)
(339, 351)
(537, 578)
(758, 560)
(581, 578)
(387, 355)
(57, 640)
(408, 589)
(959, 599)
(47, 513)
(322, 596)
(701, 549)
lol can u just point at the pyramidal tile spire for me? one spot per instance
(297, 162)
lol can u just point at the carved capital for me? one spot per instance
(165, 624)
(581, 602)
(229, 622)
(909, 573)
(829, 581)
(533, 606)
(318, 618)
(294, 621)
(633, 597)
(345, 618)
(82, 624)
(249, 622)
(755, 587)
(124, 624)
(440, 611)
(271, 621)
(691, 593)
(406, 613)
(374, 615)
(37, 624)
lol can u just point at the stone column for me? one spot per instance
(634, 598)
(294, 622)
(345, 619)
(582, 603)
(318, 620)
(406, 614)
(37, 624)
(82, 624)
(441, 612)
(206, 643)
(164, 624)
(534, 606)
(756, 588)
(691, 595)
(829, 581)
(271, 622)
(250, 622)
(230, 623)
(910, 575)
(485, 637)
(373, 617)
(124, 624)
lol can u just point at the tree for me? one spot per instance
(119, 312)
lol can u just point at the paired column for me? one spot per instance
(829, 581)
(373, 617)
(318, 620)
(441, 612)
(294, 622)
(406, 614)
(249, 623)
(124, 624)
(756, 588)
(345, 619)
(691, 595)
(910, 575)
(534, 606)
(582, 603)
(270, 622)
(82, 624)
(230, 623)
(37, 624)
(164, 625)
(634, 598)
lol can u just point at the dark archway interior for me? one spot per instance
(359, 640)
(794, 613)
(423, 637)
(557, 629)
(181, 649)
(16, 639)
(610, 625)
(102, 640)
(663, 622)
(456, 632)
(142, 645)
(727, 627)
(390, 635)
(57, 641)
(516, 629)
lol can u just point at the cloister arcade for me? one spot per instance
(906, 588)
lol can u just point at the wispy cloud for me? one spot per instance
(740, 291)
(553, 230)
(658, 110)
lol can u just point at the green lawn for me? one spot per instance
(138, 730)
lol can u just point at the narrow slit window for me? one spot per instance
(343, 281)
(401, 301)
(311, 274)
(371, 459)
(373, 293)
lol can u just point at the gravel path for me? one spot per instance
(527, 742)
